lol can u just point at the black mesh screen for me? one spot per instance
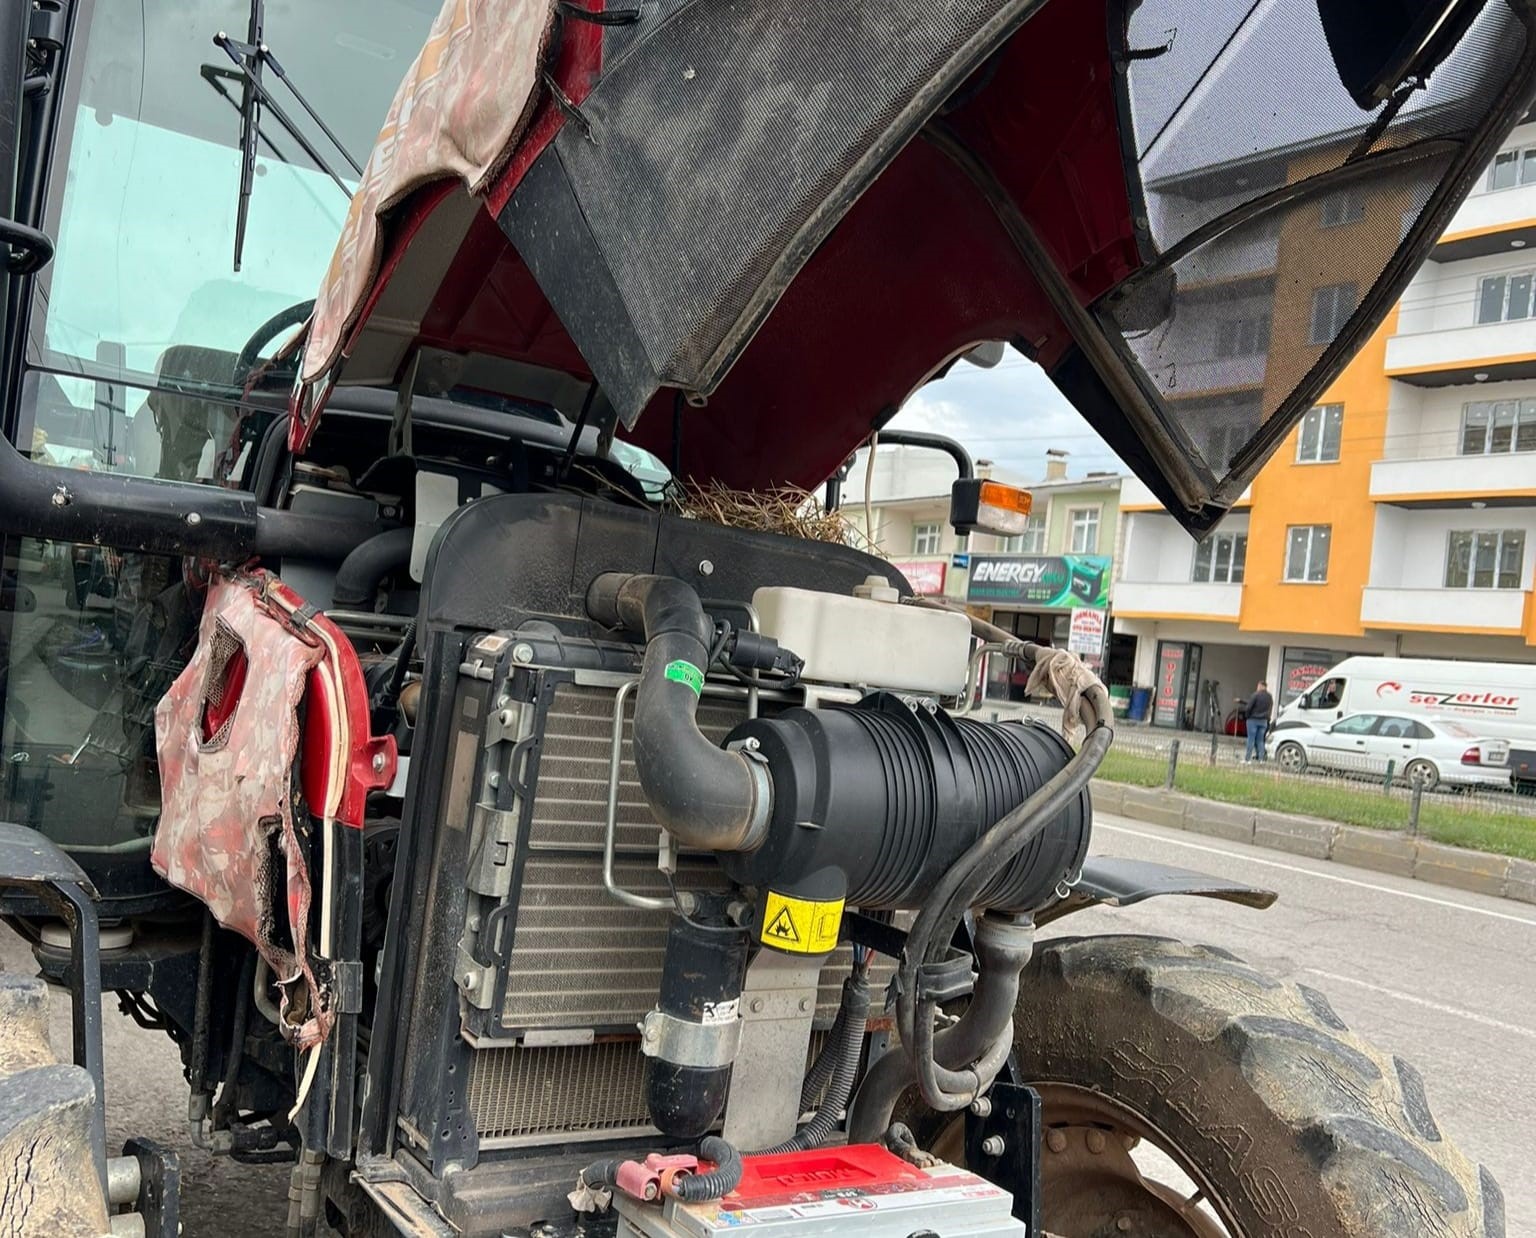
(1245, 102)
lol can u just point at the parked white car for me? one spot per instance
(1427, 751)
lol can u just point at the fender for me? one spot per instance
(1110, 882)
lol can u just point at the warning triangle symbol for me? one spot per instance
(782, 927)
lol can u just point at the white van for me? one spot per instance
(1497, 699)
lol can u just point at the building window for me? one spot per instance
(1321, 432)
(1242, 337)
(1504, 298)
(1220, 559)
(1306, 552)
(1345, 207)
(1484, 559)
(925, 539)
(1491, 426)
(1083, 524)
(1029, 542)
(1331, 308)
(1513, 167)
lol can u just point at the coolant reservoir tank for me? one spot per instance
(868, 641)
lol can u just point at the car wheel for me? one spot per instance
(1292, 756)
(1422, 773)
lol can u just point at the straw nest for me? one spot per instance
(787, 510)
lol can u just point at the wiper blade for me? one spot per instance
(250, 59)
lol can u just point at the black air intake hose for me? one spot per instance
(704, 796)
(899, 794)
(368, 563)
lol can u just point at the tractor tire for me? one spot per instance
(1288, 1124)
(48, 1183)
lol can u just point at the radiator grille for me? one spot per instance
(578, 958)
(516, 1092)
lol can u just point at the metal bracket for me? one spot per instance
(493, 835)
(159, 1194)
(778, 1005)
(686, 1043)
(1002, 1144)
(347, 983)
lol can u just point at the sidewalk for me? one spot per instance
(1382, 851)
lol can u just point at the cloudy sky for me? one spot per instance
(1011, 414)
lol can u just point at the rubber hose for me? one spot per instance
(845, 1071)
(705, 796)
(820, 1073)
(368, 563)
(604, 1173)
(720, 1181)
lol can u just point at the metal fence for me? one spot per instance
(1367, 790)
(1337, 786)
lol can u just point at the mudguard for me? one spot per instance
(1108, 882)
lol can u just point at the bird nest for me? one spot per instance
(787, 510)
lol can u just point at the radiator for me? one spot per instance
(578, 959)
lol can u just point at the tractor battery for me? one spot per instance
(862, 1190)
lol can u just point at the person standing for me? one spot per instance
(1261, 707)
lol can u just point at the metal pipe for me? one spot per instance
(940, 442)
(615, 764)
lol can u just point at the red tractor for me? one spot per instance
(514, 849)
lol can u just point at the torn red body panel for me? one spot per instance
(228, 733)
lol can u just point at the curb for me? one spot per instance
(1381, 851)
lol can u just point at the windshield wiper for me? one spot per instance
(251, 58)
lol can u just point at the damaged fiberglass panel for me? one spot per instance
(228, 734)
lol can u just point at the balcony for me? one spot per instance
(1241, 255)
(1446, 477)
(1200, 378)
(1485, 610)
(1487, 223)
(1499, 351)
(1160, 598)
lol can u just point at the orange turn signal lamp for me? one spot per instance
(981, 506)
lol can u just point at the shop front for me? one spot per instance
(1059, 600)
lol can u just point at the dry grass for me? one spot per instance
(788, 510)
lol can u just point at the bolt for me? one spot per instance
(756, 1005)
(194, 519)
(993, 1145)
(469, 980)
(650, 1033)
(378, 762)
(1123, 1223)
(60, 497)
(505, 717)
(981, 1107)
(1056, 1141)
(805, 1004)
(1096, 1142)
(706, 568)
(751, 743)
(522, 652)
(493, 778)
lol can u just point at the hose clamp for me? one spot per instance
(762, 792)
(686, 1043)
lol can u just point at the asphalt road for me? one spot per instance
(1443, 978)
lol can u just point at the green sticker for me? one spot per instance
(688, 673)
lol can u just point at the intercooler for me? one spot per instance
(580, 969)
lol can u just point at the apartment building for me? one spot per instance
(1399, 517)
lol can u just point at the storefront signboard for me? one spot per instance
(1040, 582)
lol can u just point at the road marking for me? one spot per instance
(1312, 872)
(1442, 1007)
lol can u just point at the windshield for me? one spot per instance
(145, 188)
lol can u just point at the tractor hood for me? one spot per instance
(743, 234)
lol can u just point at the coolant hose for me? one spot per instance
(705, 796)
(368, 563)
(845, 1044)
(720, 1181)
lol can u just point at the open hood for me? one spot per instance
(742, 234)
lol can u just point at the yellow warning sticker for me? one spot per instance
(801, 925)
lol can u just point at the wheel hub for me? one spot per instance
(1091, 1185)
